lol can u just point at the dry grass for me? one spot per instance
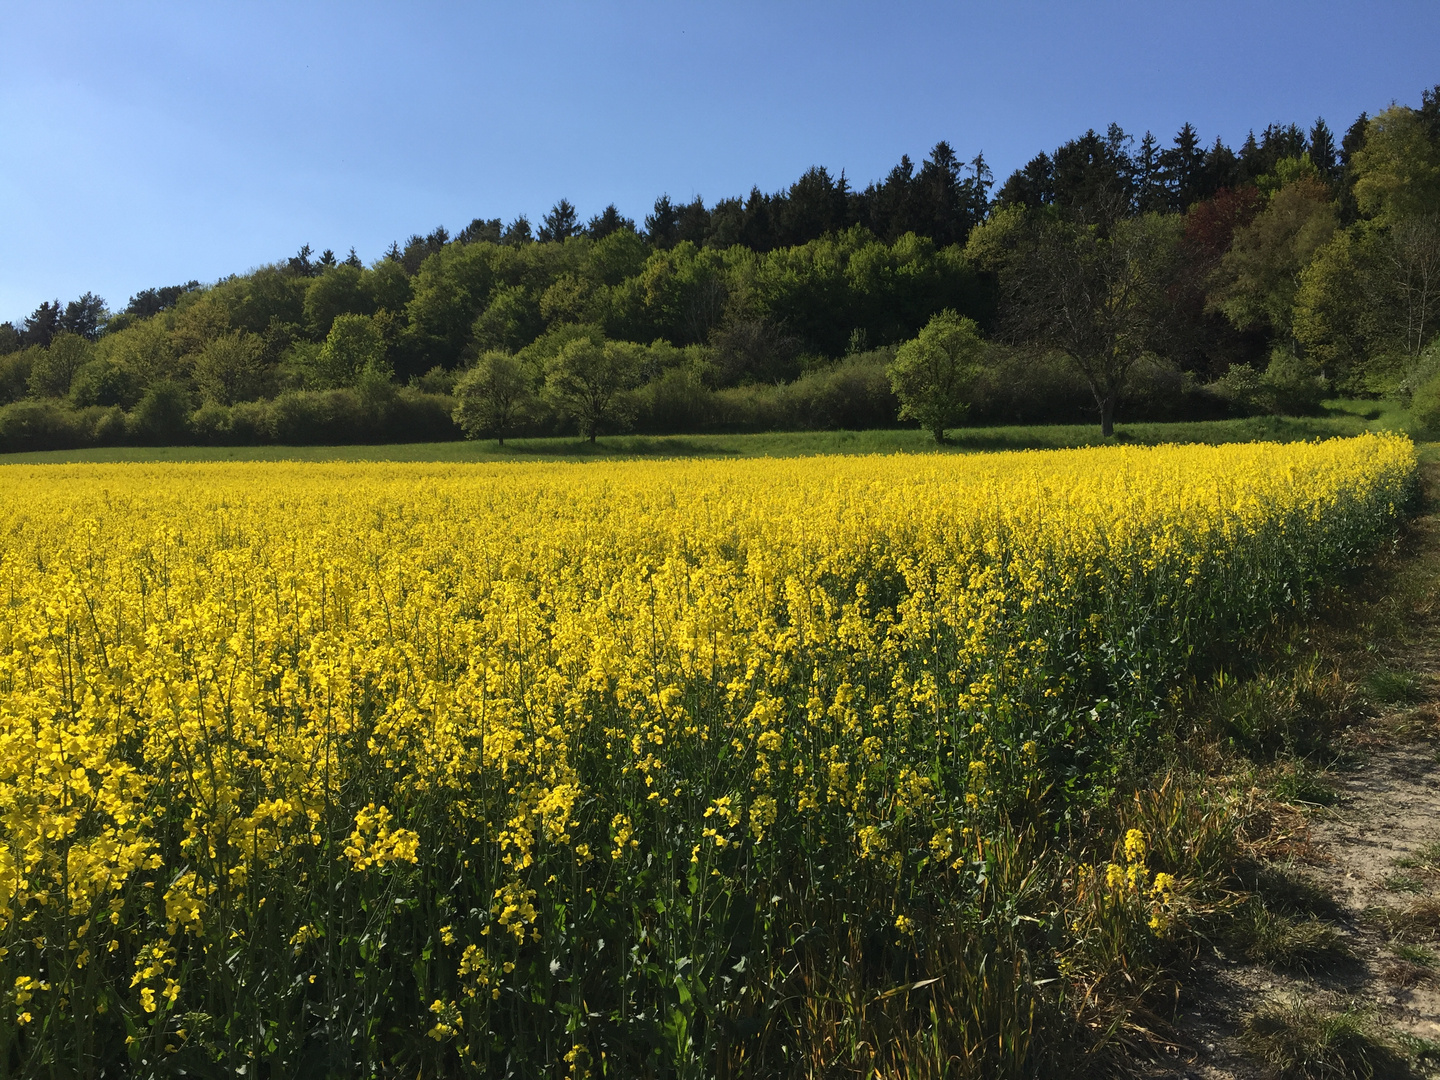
(1415, 924)
(1299, 1041)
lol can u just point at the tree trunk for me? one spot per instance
(939, 434)
(1107, 415)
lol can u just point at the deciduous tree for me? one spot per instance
(587, 380)
(493, 396)
(1098, 293)
(934, 375)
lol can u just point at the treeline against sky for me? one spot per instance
(1300, 263)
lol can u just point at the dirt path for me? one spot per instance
(1383, 845)
(1372, 857)
(1376, 854)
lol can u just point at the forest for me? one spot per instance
(1108, 279)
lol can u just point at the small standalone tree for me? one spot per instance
(588, 380)
(934, 375)
(493, 396)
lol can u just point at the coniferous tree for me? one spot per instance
(1354, 139)
(518, 233)
(560, 223)
(815, 205)
(149, 302)
(42, 324)
(480, 230)
(85, 317)
(886, 209)
(1093, 170)
(606, 222)
(419, 248)
(1183, 165)
(692, 222)
(1031, 186)
(661, 224)
(299, 264)
(1222, 169)
(945, 202)
(757, 228)
(1150, 194)
(1322, 150)
(1251, 163)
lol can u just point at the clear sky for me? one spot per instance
(149, 143)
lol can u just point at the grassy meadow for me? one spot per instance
(1343, 417)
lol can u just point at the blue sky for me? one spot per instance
(148, 143)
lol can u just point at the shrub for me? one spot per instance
(677, 401)
(1295, 385)
(1425, 409)
(334, 417)
(413, 415)
(162, 415)
(250, 423)
(1241, 389)
(853, 394)
(49, 425)
(437, 380)
(317, 416)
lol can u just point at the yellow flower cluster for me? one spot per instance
(254, 703)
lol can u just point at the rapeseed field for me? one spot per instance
(628, 769)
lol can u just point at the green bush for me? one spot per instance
(1295, 385)
(852, 394)
(1289, 386)
(1425, 409)
(1242, 389)
(162, 415)
(336, 417)
(49, 425)
(677, 401)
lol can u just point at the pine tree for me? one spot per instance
(1322, 150)
(560, 223)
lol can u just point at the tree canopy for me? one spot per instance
(1104, 251)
